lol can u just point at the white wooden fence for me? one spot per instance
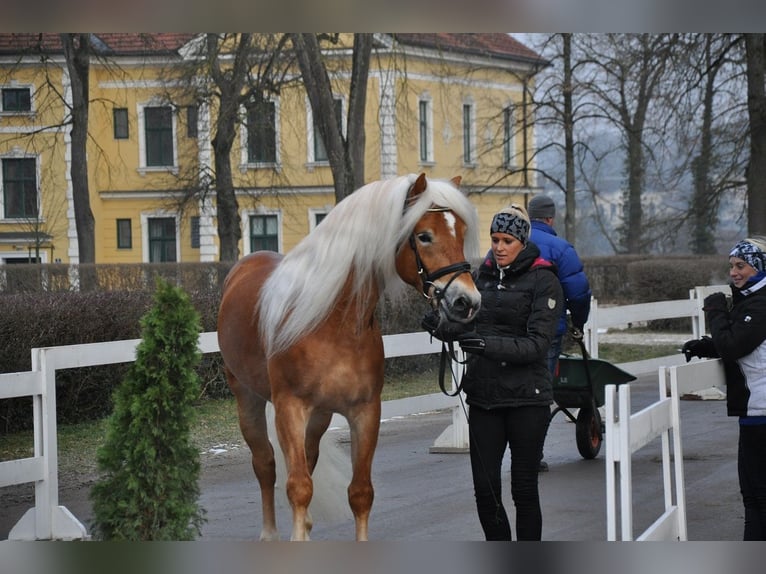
(48, 520)
(602, 318)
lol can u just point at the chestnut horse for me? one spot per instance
(301, 331)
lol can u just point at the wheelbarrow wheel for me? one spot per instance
(588, 432)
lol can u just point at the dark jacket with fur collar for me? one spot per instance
(520, 309)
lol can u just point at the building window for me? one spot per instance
(508, 144)
(162, 239)
(468, 134)
(262, 132)
(124, 234)
(20, 188)
(264, 233)
(425, 130)
(320, 152)
(158, 131)
(192, 116)
(120, 123)
(17, 100)
(195, 232)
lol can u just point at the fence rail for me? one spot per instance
(48, 520)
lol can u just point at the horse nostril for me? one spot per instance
(460, 306)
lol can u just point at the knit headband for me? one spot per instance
(512, 225)
(750, 254)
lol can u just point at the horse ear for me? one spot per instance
(456, 180)
(417, 188)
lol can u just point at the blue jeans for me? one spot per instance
(491, 432)
(751, 465)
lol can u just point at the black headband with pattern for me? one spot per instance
(512, 225)
(750, 254)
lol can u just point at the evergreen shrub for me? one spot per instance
(149, 488)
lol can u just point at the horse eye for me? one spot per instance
(424, 237)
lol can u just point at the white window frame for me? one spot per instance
(313, 212)
(14, 85)
(509, 136)
(429, 129)
(145, 217)
(245, 222)
(142, 167)
(470, 132)
(310, 135)
(16, 153)
(244, 159)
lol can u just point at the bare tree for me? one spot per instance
(228, 73)
(77, 52)
(345, 154)
(755, 45)
(707, 118)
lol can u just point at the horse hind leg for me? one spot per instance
(364, 427)
(251, 409)
(291, 429)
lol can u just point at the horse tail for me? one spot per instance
(331, 478)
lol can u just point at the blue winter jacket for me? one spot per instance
(571, 274)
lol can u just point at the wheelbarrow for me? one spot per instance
(578, 383)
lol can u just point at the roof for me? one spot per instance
(119, 44)
(493, 45)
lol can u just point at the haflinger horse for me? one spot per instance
(301, 331)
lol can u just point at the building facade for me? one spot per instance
(443, 104)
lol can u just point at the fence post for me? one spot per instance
(590, 334)
(47, 520)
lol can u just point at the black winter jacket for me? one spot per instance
(518, 318)
(739, 336)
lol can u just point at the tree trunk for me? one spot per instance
(346, 157)
(704, 206)
(568, 120)
(77, 54)
(230, 84)
(756, 107)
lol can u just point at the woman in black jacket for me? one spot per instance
(738, 337)
(507, 382)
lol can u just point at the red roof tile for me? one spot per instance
(497, 45)
(114, 43)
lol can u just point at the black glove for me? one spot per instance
(472, 343)
(716, 301)
(701, 348)
(577, 333)
(444, 330)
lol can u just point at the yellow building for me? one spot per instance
(443, 104)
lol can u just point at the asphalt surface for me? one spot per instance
(421, 495)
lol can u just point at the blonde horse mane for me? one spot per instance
(359, 237)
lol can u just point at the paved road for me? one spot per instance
(428, 496)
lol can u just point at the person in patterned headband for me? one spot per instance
(512, 220)
(507, 383)
(751, 252)
(738, 338)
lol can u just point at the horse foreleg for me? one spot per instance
(364, 426)
(253, 424)
(291, 430)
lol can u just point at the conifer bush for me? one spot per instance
(149, 485)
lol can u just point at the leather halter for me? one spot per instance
(427, 278)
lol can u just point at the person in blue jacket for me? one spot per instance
(574, 282)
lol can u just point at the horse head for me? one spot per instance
(433, 258)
